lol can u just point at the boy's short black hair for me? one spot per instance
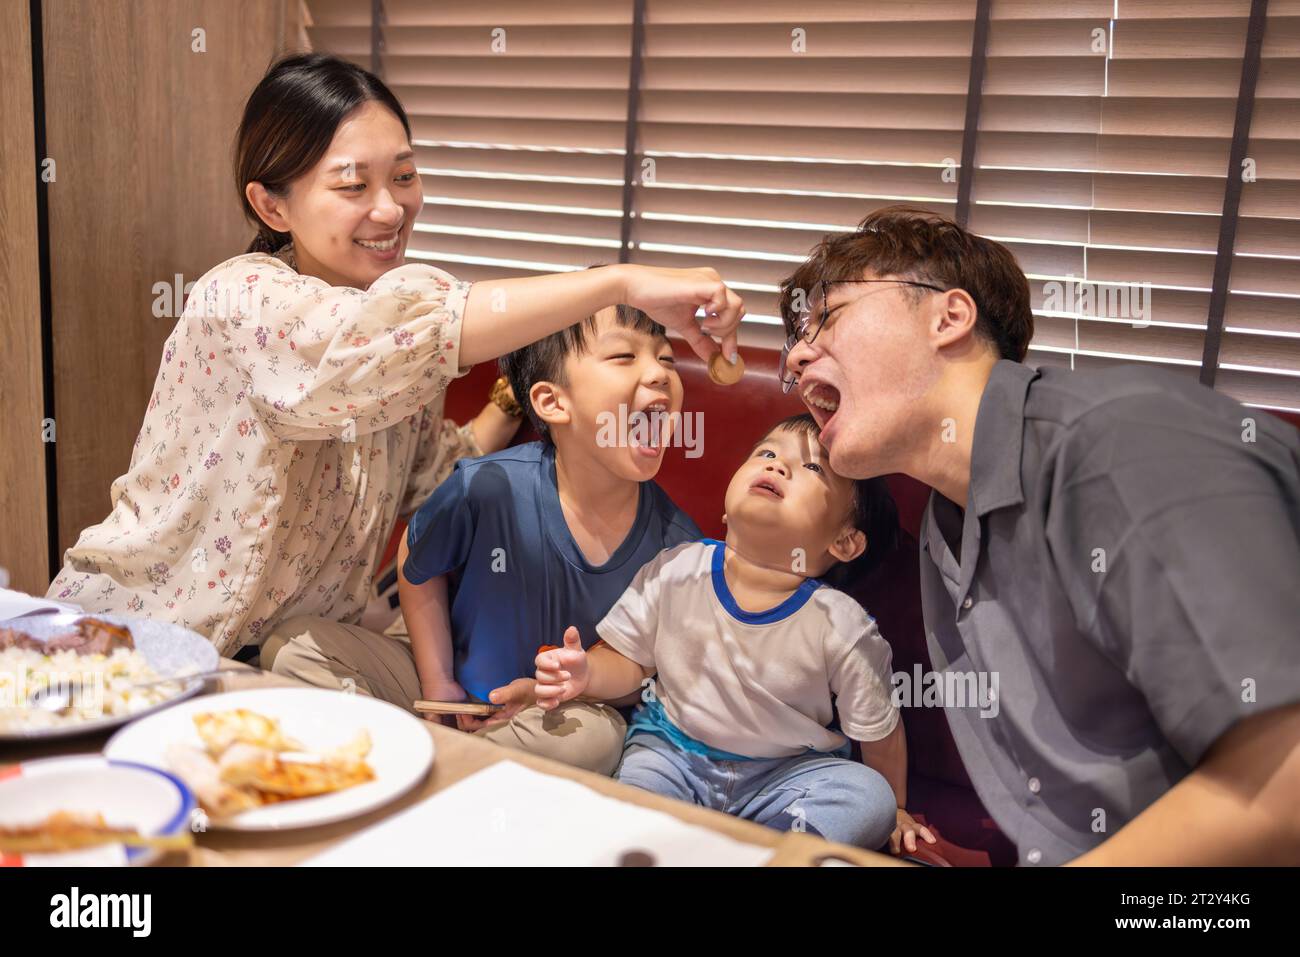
(873, 513)
(543, 361)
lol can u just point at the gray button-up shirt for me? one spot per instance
(1124, 584)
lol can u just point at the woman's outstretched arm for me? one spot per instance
(502, 315)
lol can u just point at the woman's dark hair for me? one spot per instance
(289, 121)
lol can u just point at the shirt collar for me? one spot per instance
(287, 256)
(995, 478)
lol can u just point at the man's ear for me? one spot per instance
(955, 319)
(849, 544)
(268, 206)
(550, 403)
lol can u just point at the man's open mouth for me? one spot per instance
(822, 400)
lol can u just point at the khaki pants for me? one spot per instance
(330, 654)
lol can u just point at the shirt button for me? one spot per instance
(1034, 785)
(968, 602)
(1034, 855)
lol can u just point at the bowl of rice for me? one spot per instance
(99, 684)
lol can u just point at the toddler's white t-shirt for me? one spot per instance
(757, 684)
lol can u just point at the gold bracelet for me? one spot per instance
(504, 398)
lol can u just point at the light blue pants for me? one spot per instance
(838, 799)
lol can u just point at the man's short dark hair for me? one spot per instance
(872, 512)
(911, 243)
(543, 361)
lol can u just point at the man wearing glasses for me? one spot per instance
(1120, 547)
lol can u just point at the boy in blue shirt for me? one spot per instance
(517, 546)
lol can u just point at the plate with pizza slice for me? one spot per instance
(277, 758)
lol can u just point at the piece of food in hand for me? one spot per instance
(725, 373)
(220, 729)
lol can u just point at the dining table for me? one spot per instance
(457, 755)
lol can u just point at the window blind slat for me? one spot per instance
(510, 131)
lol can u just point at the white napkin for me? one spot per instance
(16, 604)
(508, 815)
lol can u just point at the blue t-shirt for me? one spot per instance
(516, 577)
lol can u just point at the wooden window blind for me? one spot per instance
(1106, 169)
(1101, 152)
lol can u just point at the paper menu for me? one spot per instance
(508, 815)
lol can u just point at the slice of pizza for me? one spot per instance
(247, 766)
(221, 729)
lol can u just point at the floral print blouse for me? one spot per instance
(291, 423)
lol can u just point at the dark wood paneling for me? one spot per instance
(141, 128)
(24, 543)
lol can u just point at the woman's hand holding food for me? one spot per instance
(562, 673)
(672, 296)
(502, 315)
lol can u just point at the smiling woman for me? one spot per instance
(297, 410)
(342, 179)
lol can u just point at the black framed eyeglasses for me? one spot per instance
(810, 322)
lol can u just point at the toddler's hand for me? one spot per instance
(561, 672)
(905, 832)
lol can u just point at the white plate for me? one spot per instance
(401, 752)
(169, 649)
(152, 802)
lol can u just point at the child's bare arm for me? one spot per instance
(428, 622)
(601, 673)
(888, 756)
(613, 675)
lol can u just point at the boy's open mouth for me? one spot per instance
(766, 486)
(648, 428)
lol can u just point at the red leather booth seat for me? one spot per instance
(939, 790)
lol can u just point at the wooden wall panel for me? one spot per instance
(141, 127)
(24, 543)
